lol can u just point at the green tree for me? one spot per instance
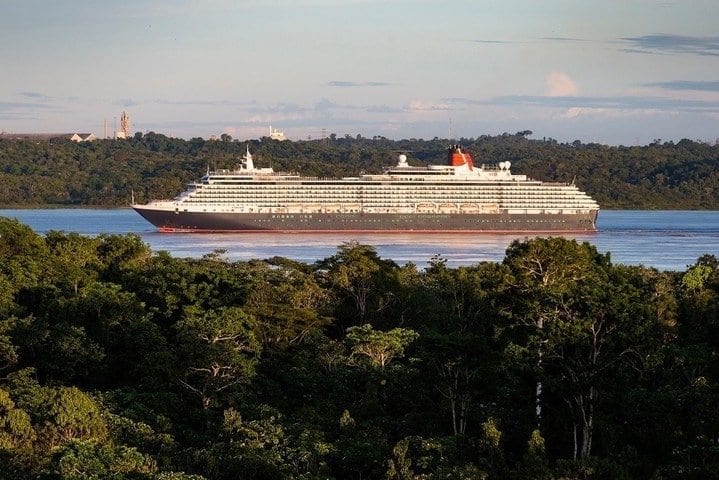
(458, 315)
(59, 350)
(17, 434)
(8, 351)
(69, 414)
(589, 324)
(90, 460)
(73, 257)
(361, 278)
(546, 272)
(219, 349)
(120, 253)
(23, 258)
(287, 302)
(695, 374)
(377, 347)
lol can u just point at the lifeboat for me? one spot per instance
(426, 208)
(448, 208)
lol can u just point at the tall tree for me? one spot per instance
(581, 315)
(546, 273)
(74, 258)
(219, 350)
(377, 347)
(363, 281)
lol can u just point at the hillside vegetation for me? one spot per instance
(683, 175)
(116, 363)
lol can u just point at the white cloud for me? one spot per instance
(419, 105)
(593, 112)
(559, 84)
(598, 113)
(573, 112)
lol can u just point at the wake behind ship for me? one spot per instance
(456, 197)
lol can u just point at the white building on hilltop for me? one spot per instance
(276, 134)
(74, 136)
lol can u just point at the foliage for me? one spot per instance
(116, 362)
(88, 460)
(219, 349)
(379, 348)
(682, 175)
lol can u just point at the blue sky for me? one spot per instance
(610, 71)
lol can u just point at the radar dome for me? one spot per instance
(403, 158)
(508, 164)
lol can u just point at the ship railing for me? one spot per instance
(548, 211)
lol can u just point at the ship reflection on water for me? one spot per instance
(665, 240)
(418, 248)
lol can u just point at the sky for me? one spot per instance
(609, 71)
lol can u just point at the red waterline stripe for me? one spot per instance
(495, 232)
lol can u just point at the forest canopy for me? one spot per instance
(682, 175)
(117, 362)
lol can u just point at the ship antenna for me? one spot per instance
(248, 159)
(575, 177)
(132, 196)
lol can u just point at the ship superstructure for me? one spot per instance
(454, 197)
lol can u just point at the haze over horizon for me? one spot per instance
(612, 72)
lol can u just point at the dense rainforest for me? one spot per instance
(682, 175)
(121, 363)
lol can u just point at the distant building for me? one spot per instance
(46, 137)
(83, 137)
(125, 126)
(276, 134)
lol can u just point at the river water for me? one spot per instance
(666, 240)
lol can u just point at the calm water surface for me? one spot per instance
(666, 240)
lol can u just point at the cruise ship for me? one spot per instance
(455, 197)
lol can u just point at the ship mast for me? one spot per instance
(249, 165)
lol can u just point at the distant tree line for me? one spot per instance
(682, 175)
(119, 363)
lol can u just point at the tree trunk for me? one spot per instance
(585, 409)
(538, 402)
(538, 392)
(574, 432)
(588, 420)
(453, 406)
